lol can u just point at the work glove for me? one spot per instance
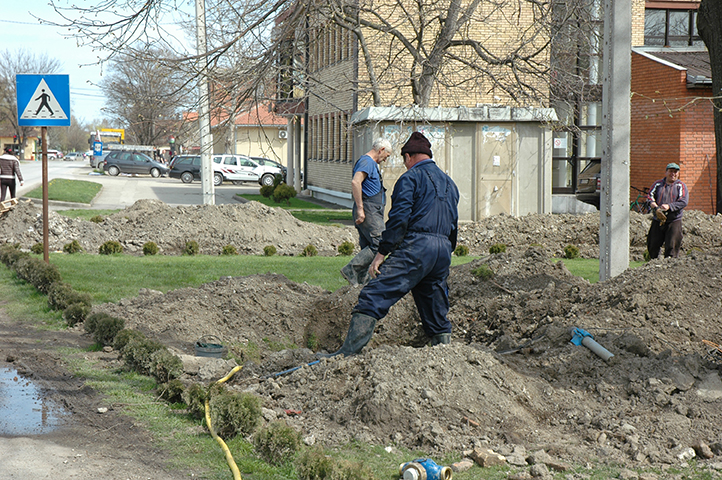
(661, 216)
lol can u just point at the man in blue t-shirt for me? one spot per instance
(369, 197)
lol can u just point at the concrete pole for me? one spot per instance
(290, 175)
(204, 121)
(298, 157)
(614, 201)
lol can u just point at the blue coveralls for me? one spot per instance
(374, 200)
(420, 235)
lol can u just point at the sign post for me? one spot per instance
(43, 101)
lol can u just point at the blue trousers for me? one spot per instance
(420, 265)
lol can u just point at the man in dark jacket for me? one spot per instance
(420, 236)
(669, 196)
(9, 168)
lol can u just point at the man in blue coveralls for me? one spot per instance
(369, 200)
(419, 238)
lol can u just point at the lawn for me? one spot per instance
(60, 189)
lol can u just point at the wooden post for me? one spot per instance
(44, 136)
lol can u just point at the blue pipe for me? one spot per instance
(290, 369)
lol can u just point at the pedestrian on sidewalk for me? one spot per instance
(9, 168)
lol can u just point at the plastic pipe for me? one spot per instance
(601, 352)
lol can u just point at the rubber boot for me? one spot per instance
(359, 334)
(441, 338)
(356, 272)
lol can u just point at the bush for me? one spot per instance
(461, 251)
(284, 193)
(36, 272)
(172, 391)
(571, 251)
(195, 397)
(497, 248)
(346, 248)
(10, 254)
(647, 256)
(267, 191)
(37, 249)
(150, 248)
(277, 443)
(314, 464)
(234, 414)
(91, 322)
(106, 328)
(229, 250)
(72, 247)
(61, 295)
(164, 366)
(137, 354)
(110, 247)
(76, 313)
(191, 248)
(97, 219)
(123, 338)
(309, 251)
(483, 271)
(269, 251)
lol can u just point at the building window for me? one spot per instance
(575, 146)
(671, 28)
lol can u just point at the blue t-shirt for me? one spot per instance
(372, 185)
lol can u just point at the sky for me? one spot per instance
(21, 30)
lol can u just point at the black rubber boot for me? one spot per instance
(359, 334)
(356, 272)
(440, 338)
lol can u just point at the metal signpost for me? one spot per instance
(43, 100)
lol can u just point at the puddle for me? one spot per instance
(23, 410)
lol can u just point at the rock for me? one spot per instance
(558, 466)
(523, 475)
(268, 414)
(102, 410)
(517, 459)
(487, 458)
(626, 474)
(309, 440)
(686, 454)
(462, 466)
(540, 470)
(540, 456)
(702, 449)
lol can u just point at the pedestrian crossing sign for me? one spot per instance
(43, 100)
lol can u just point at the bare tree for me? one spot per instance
(11, 64)
(709, 25)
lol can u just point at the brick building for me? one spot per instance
(672, 121)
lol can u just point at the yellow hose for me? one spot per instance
(224, 447)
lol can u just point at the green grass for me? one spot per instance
(86, 214)
(60, 189)
(295, 202)
(588, 268)
(324, 217)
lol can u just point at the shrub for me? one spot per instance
(37, 249)
(483, 271)
(61, 295)
(171, 391)
(267, 191)
(106, 328)
(571, 251)
(283, 193)
(314, 464)
(76, 313)
(150, 248)
(137, 354)
(309, 251)
(164, 366)
(97, 219)
(461, 251)
(234, 414)
(10, 254)
(195, 397)
(123, 338)
(312, 342)
(191, 248)
(72, 247)
(36, 272)
(277, 180)
(229, 250)
(269, 251)
(91, 322)
(497, 248)
(277, 443)
(110, 247)
(346, 248)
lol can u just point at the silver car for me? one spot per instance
(133, 162)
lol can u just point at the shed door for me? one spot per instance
(495, 170)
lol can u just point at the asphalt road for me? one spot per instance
(125, 190)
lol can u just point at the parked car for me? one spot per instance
(72, 156)
(589, 183)
(271, 163)
(185, 167)
(54, 154)
(96, 161)
(239, 169)
(133, 162)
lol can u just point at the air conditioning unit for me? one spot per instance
(282, 134)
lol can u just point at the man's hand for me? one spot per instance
(375, 264)
(360, 215)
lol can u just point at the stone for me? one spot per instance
(702, 449)
(462, 465)
(558, 465)
(686, 454)
(487, 458)
(626, 474)
(539, 470)
(540, 456)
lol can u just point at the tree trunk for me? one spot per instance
(709, 25)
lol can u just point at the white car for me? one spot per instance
(239, 169)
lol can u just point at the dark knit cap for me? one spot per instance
(417, 143)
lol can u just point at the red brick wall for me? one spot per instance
(671, 123)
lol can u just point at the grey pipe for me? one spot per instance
(602, 352)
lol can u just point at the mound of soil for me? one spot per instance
(511, 380)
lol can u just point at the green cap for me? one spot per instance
(672, 165)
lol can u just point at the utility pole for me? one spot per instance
(204, 121)
(616, 110)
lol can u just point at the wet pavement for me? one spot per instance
(23, 408)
